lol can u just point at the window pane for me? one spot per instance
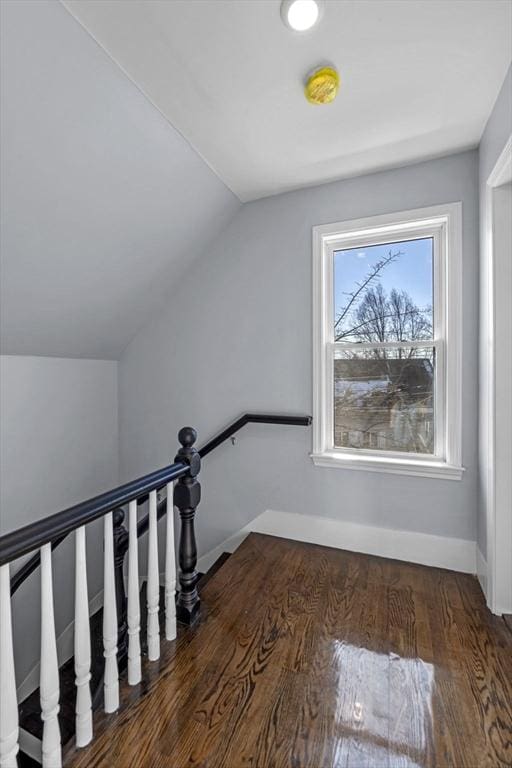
(384, 292)
(384, 399)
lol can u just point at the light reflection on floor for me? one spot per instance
(374, 716)
(351, 753)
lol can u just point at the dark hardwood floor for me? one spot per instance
(310, 657)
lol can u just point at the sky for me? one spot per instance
(412, 271)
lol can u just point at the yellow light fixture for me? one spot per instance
(322, 85)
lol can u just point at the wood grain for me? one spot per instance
(310, 657)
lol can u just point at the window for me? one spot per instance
(387, 347)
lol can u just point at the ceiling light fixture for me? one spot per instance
(301, 15)
(322, 85)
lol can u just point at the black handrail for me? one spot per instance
(235, 426)
(33, 563)
(114, 499)
(30, 537)
(254, 418)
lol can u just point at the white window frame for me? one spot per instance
(444, 224)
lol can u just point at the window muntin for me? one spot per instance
(430, 440)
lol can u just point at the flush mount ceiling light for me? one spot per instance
(301, 15)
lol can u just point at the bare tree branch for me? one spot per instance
(375, 270)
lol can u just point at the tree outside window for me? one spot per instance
(383, 362)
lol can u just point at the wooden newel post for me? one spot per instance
(187, 495)
(120, 549)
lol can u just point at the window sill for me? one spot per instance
(437, 469)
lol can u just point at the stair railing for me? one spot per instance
(121, 612)
(39, 535)
(142, 526)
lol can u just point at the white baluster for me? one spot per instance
(8, 703)
(170, 569)
(111, 679)
(49, 680)
(83, 707)
(153, 583)
(134, 671)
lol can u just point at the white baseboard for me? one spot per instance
(499, 608)
(481, 570)
(414, 547)
(65, 650)
(206, 561)
(30, 745)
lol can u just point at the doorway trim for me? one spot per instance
(498, 554)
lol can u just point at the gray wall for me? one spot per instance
(495, 136)
(236, 336)
(104, 203)
(58, 446)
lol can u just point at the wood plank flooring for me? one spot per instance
(310, 657)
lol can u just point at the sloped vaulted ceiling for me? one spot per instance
(103, 202)
(418, 80)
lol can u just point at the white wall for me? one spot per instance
(58, 446)
(496, 134)
(236, 336)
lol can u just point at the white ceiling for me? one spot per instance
(103, 203)
(419, 79)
